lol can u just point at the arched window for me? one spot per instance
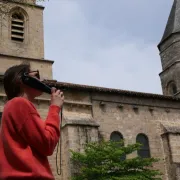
(144, 151)
(117, 136)
(171, 88)
(17, 26)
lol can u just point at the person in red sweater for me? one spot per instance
(25, 139)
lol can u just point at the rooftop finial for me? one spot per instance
(173, 24)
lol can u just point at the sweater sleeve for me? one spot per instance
(41, 135)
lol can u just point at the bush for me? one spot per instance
(105, 161)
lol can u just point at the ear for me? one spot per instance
(20, 82)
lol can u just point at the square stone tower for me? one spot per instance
(22, 37)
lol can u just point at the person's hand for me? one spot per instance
(57, 97)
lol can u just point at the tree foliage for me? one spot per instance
(103, 161)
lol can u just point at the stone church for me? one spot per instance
(91, 113)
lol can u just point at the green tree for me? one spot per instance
(103, 161)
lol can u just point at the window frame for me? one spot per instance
(118, 133)
(172, 88)
(143, 149)
(26, 24)
(123, 157)
(17, 27)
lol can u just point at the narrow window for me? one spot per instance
(117, 136)
(144, 151)
(172, 88)
(17, 27)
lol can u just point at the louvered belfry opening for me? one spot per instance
(17, 27)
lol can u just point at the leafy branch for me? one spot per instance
(103, 161)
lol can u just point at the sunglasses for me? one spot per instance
(37, 75)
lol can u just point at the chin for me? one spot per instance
(35, 93)
(38, 94)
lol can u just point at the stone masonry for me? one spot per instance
(32, 48)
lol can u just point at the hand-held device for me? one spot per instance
(35, 83)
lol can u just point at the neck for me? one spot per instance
(30, 98)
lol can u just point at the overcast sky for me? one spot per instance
(109, 43)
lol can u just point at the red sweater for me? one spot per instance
(26, 141)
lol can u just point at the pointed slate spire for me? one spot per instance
(173, 24)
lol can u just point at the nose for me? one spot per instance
(42, 79)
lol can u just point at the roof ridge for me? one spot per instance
(108, 90)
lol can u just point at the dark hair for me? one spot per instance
(12, 80)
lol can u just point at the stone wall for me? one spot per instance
(169, 50)
(44, 66)
(128, 115)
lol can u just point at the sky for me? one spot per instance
(107, 43)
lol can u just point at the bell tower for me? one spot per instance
(22, 37)
(169, 48)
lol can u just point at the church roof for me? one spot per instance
(65, 86)
(173, 24)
